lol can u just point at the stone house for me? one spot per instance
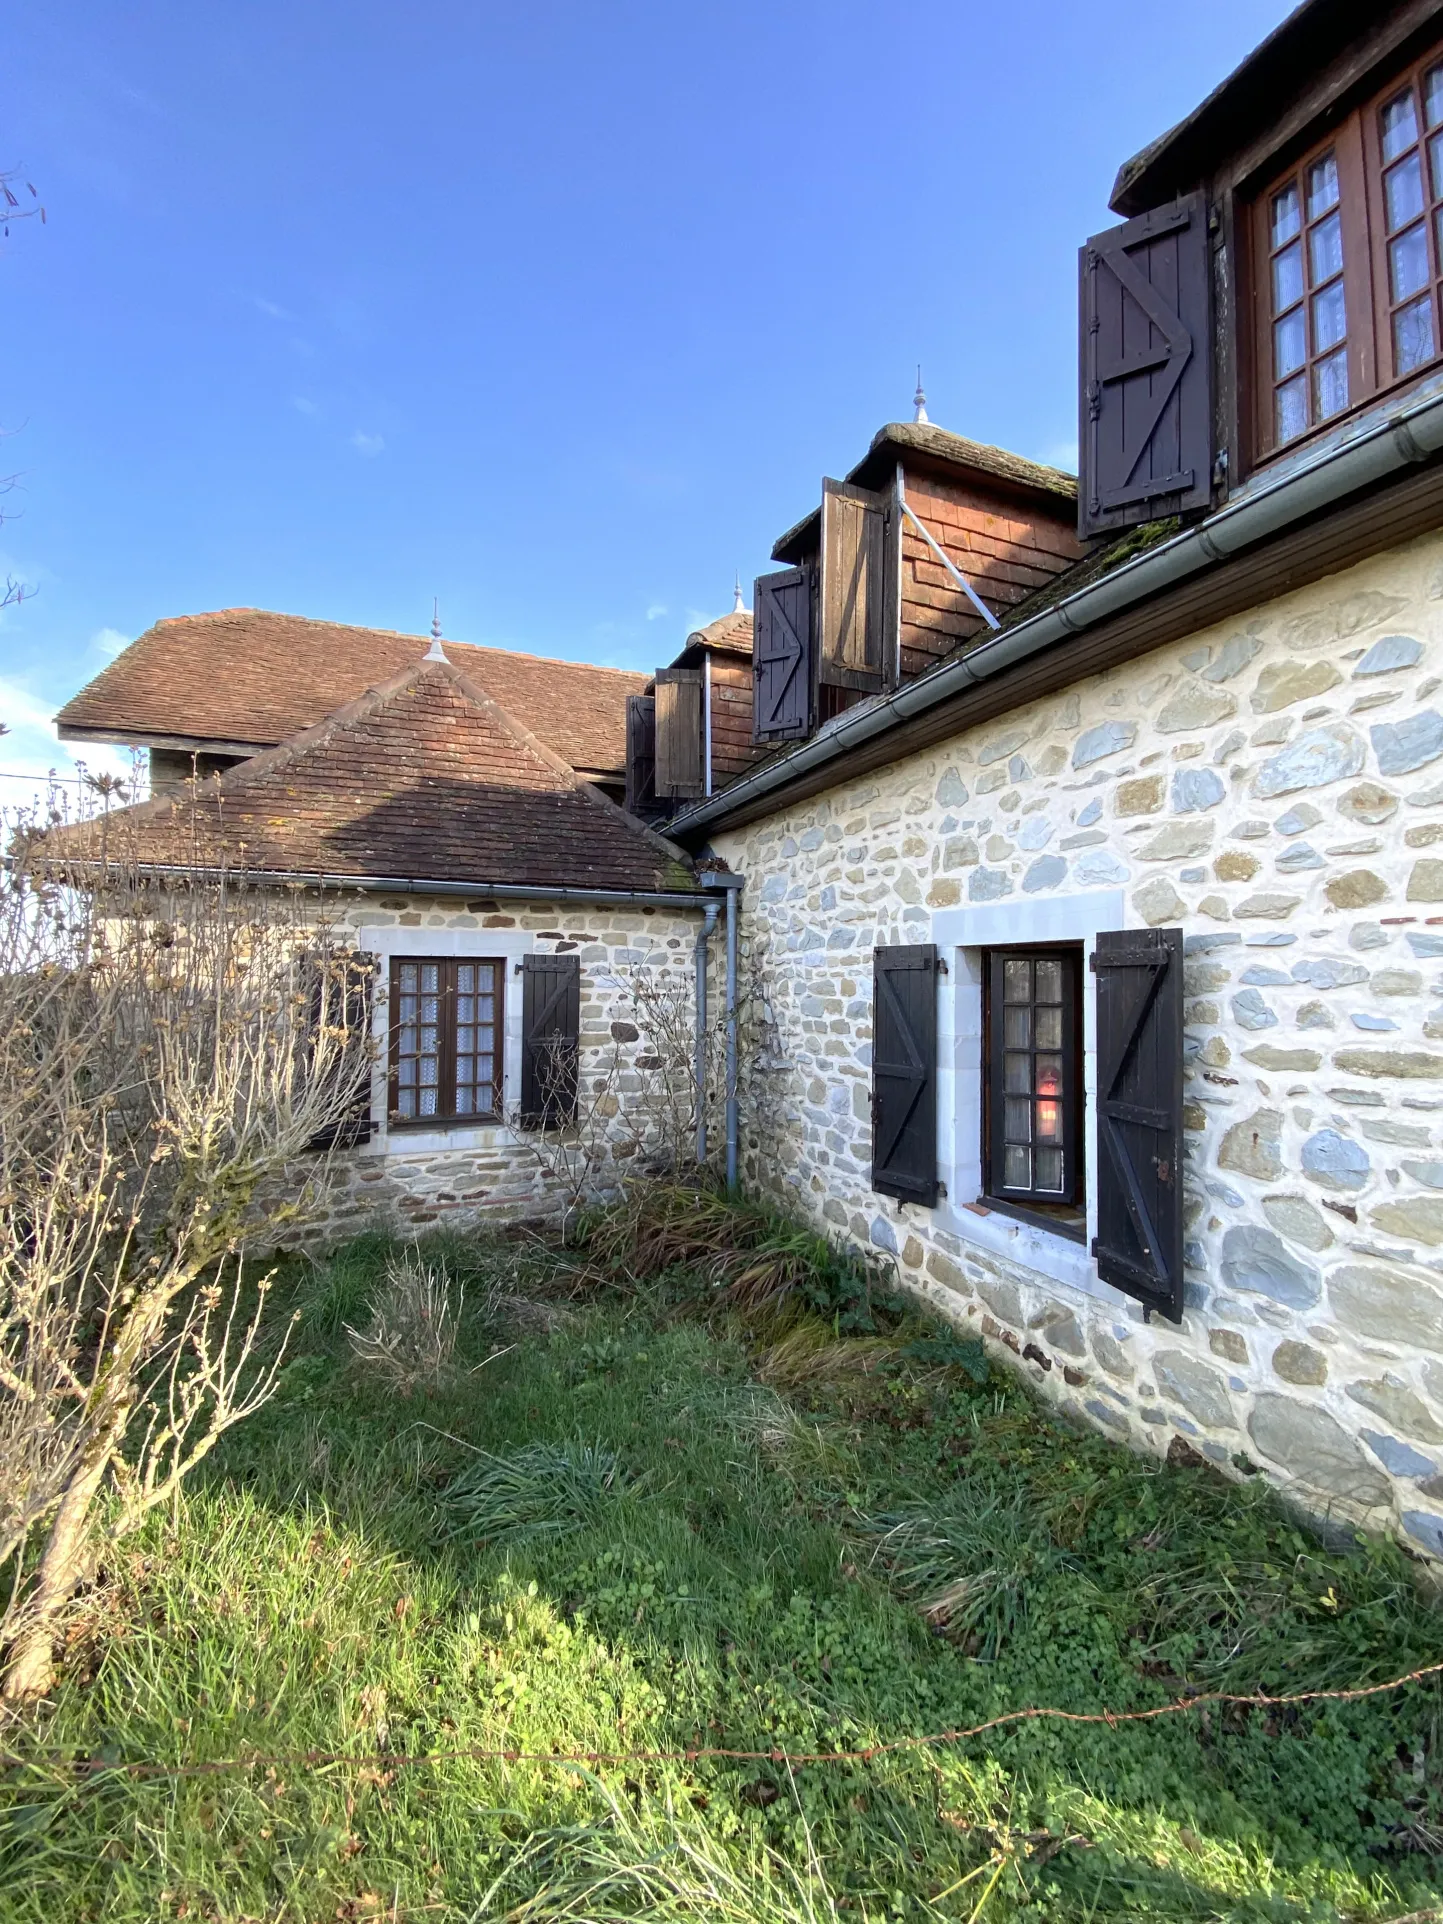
(450, 826)
(1103, 942)
(1085, 831)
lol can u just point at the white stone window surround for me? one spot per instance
(509, 946)
(961, 936)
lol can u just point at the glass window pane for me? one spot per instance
(1433, 96)
(406, 1103)
(465, 1041)
(1292, 408)
(430, 975)
(1288, 277)
(1403, 192)
(1435, 164)
(428, 1071)
(430, 1007)
(407, 1070)
(1017, 1168)
(1049, 1076)
(1287, 215)
(1330, 385)
(1290, 347)
(1017, 1121)
(1049, 1028)
(1438, 232)
(1017, 978)
(1017, 1028)
(465, 1008)
(1329, 323)
(1049, 1170)
(1413, 335)
(1400, 125)
(465, 977)
(408, 1008)
(1017, 1075)
(408, 977)
(1408, 262)
(1049, 1122)
(1049, 982)
(1325, 249)
(428, 1102)
(429, 1042)
(1322, 186)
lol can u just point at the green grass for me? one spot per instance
(742, 1503)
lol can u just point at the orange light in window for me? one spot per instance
(1049, 1121)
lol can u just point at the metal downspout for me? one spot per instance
(733, 886)
(703, 948)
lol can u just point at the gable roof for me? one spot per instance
(728, 635)
(919, 444)
(248, 679)
(425, 778)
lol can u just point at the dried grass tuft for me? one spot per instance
(410, 1341)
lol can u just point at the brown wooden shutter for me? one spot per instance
(550, 1037)
(904, 1072)
(1145, 444)
(340, 992)
(783, 668)
(1139, 1115)
(641, 754)
(680, 750)
(856, 605)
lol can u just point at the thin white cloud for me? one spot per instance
(109, 642)
(270, 309)
(367, 444)
(657, 610)
(303, 404)
(31, 755)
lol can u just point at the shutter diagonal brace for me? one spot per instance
(1179, 352)
(942, 555)
(791, 652)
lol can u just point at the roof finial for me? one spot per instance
(435, 652)
(739, 607)
(919, 399)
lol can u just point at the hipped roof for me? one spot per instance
(250, 679)
(426, 778)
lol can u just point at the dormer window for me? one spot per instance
(1347, 250)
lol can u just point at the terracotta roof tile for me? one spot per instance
(426, 778)
(252, 678)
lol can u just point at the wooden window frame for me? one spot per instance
(1065, 1214)
(1356, 137)
(446, 965)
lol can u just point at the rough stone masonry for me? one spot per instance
(1273, 785)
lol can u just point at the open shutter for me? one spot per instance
(1139, 1115)
(783, 682)
(679, 747)
(340, 996)
(904, 1072)
(855, 602)
(550, 1037)
(641, 754)
(1146, 369)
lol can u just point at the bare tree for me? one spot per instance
(167, 1048)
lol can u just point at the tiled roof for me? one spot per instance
(732, 633)
(425, 779)
(250, 678)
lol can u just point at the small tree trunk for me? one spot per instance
(63, 1568)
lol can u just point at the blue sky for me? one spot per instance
(555, 311)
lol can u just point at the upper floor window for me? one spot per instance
(1347, 249)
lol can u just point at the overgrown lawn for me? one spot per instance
(713, 1504)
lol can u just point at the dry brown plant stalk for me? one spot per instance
(169, 1044)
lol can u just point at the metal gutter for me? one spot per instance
(696, 900)
(1404, 437)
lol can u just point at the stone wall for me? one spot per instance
(1273, 785)
(411, 1183)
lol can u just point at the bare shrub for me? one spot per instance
(410, 1341)
(169, 1042)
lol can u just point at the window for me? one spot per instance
(1309, 332)
(1347, 252)
(1409, 174)
(446, 1040)
(1032, 1085)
